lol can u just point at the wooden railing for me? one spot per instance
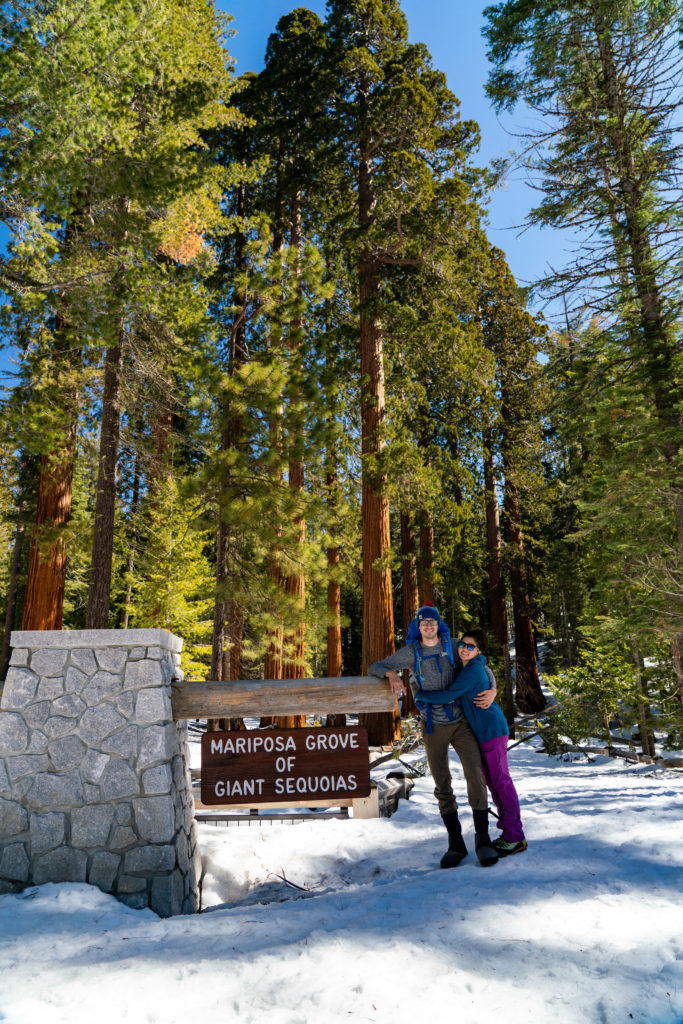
(276, 697)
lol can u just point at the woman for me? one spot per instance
(491, 729)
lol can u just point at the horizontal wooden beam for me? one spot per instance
(264, 697)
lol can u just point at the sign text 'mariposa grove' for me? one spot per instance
(277, 765)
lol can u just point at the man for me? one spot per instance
(428, 656)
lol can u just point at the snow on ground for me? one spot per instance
(585, 926)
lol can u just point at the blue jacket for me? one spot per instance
(486, 724)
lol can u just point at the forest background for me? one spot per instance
(275, 386)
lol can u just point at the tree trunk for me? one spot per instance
(44, 599)
(295, 583)
(427, 589)
(12, 599)
(411, 600)
(133, 542)
(228, 619)
(497, 595)
(97, 615)
(529, 694)
(677, 652)
(378, 617)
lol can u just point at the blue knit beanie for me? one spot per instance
(427, 611)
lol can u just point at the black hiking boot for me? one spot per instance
(456, 845)
(486, 851)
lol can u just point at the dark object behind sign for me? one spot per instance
(281, 765)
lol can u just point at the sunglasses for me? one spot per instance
(470, 647)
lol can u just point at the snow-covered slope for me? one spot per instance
(585, 926)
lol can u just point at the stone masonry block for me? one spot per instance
(155, 818)
(38, 742)
(14, 735)
(140, 674)
(4, 778)
(97, 723)
(102, 686)
(13, 818)
(137, 653)
(90, 826)
(103, 868)
(157, 743)
(157, 781)
(118, 781)
(152, 706)
(26, 764)
(67, 753)
(166, 898)
(75, 680)
(183, 852)
(92, 638)
(93, 765)
(62, 865)
(46, 831)
(111, 659)
(121, 838)
(56, 726)
(70, 706)
(124, 814)
(85, 661)
(130, 884)
(125, 704)
(50, 689)
(149, 859)
(123, 743)
(19, 656)
(50, 791)
(48, 662)
(20, 689)
(35, 715)
(14, 863)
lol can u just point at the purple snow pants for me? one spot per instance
(494, 763)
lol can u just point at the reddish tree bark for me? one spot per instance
(295, 583)
(44, 598)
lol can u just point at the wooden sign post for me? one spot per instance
(285, 765)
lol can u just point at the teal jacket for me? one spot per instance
(486, 724)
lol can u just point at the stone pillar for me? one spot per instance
(94, 772)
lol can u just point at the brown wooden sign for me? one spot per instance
(280, 765)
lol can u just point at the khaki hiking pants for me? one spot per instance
(459, 736)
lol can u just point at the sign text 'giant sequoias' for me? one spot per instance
(277, 765)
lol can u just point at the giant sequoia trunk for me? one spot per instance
(378, 609)
(295, 583)
(44, 599)
(228, 619)
(97, 616)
